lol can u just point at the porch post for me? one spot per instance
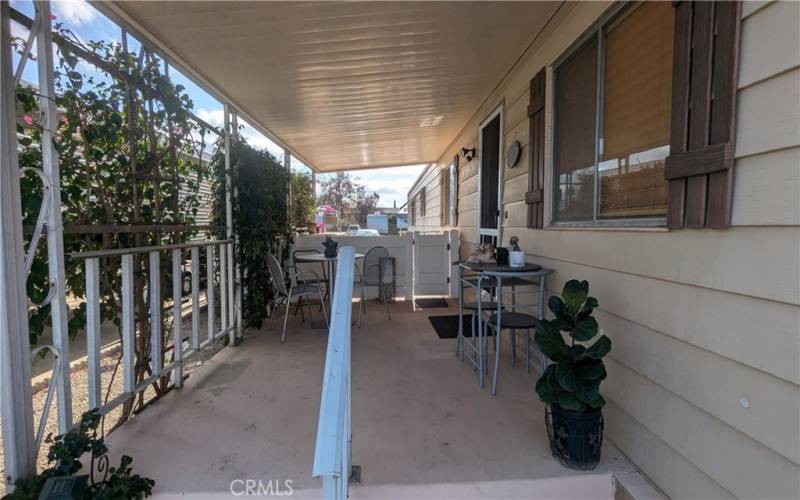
(238, 286)
(55, 227)
(287, 162)
(409, 265)
(228, 315)
(314, 185)
(16, 406)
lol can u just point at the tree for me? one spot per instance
(337, 192)
(303, 203)
(364, 204)
(351, 199)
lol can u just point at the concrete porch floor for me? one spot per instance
(422, 427)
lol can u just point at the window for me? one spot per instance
(612, 119)
(448, 184)
(422, 202)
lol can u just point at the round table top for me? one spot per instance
(319, 257)
(489, 267)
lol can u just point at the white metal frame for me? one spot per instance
(55, 236)
(498, 111)
(16, 404)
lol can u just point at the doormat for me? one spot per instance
(447, 326)
(429, 303)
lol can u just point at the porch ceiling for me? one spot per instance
(347, 85)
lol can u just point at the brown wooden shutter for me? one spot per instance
(455, 179)
(700, 165)
(444, 196)
(535, 195)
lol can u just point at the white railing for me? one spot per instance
(228, 313)
(334, 436)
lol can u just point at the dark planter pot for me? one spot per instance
(575, 437)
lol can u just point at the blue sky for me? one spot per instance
(391, 184)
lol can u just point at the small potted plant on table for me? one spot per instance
(570, 385)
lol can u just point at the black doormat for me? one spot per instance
(447, 326)
(429, 303)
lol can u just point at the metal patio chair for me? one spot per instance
(299, 286)
(325, 282)
(372, 275)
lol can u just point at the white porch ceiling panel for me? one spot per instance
(348, 85)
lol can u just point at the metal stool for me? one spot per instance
(478, 342)
(510, 321)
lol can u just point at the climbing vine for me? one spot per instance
(130, 160)
(260, 220)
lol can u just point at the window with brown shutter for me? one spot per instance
(535, 195)
(700, 166)
(422, 202)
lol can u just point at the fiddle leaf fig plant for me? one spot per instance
(572, 380)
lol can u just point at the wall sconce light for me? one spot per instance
(468, 154)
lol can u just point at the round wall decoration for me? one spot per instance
(512, 155)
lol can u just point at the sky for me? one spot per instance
(391, 184)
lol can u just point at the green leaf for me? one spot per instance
(591, 369)
(549, 340)
(570, 402)
(585, 329)
(556, 305)
(574, 295)
(587, 307)
(545, 388)
(566, 377)
(599, 348)
(598, 402)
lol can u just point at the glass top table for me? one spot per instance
(330, 264)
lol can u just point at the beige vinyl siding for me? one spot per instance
(699, 318)
(429, 180)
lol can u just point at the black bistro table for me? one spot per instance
(494, 276)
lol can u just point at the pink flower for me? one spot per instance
(27, 119)
(52, 17)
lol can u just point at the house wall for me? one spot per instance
(698, 318)
(428, 179)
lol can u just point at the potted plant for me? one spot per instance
(570, 385)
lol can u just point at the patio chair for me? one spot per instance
(324, 281)
(372, 275)
(299, 286)
(511, 321)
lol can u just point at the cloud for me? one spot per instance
(74, 12)
(391, 184)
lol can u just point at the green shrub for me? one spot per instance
(64, 459)
(572, 380)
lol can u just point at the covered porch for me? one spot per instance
(422, 426)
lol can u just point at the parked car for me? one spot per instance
(353, 229)
(366, 232)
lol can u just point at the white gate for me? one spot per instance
(432, 261)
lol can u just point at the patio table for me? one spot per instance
(492, 275)
(330, 263)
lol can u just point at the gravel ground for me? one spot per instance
(111, 385)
